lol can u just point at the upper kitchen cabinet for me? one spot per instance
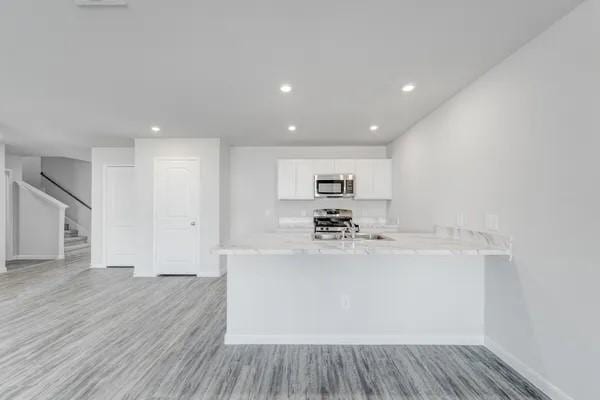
(342, 166)
(295, 180)
(333, 166)
(373, 179)
(323, 166)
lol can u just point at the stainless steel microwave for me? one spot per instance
(338, 185)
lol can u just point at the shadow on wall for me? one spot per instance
(506, 306)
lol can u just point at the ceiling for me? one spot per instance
(75, 77)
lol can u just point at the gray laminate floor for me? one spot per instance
(68, 332)
(18, 264)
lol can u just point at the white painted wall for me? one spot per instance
(32, 166)
(522, 142)
(2, 210)
(253, 180)
(101, 157)
(209, 153)
(75, 176)
(40, 220)
(15, 165)
(353, 299)
(224, 201)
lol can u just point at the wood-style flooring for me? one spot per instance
(69, 332)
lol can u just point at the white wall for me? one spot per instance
(2, 213)
(253, 180)
(32, 166)
(15, 165)
(209, 153)
(522, 142)
(350, 299)
(101, 157)
(40, 220)
(224, 201)
(75, 176)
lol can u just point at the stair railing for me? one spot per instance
(65, 190)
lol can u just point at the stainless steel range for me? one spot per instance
(333, 220)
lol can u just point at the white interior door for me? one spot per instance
(177, 207)
(120, 216)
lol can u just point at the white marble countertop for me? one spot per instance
(438, 243)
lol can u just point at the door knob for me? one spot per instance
(193, 223)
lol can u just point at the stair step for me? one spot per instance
(75, 239)
(75, 247)
(71, 232)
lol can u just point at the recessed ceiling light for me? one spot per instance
(155, 129)
(292, 128)
(285, 88)
(373, 128)
(409, 87)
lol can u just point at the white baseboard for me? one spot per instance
(98, 266)
(210, 274)
(210, 271)
(38, 257)
(142, 275)
(529, 373)
(353, 339)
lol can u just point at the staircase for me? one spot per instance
(74, 243)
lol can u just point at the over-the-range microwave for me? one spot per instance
(338, 185)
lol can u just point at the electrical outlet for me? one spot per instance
(303, 213)
(460, 220)
(345, 302)
(491, 222)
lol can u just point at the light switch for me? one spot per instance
(460, 220)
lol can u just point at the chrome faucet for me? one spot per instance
(351, 228)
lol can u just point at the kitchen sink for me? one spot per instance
(371, 236)
(357, 236)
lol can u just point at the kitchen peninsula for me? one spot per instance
(286, 288)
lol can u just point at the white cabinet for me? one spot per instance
(304, 180)
(295, 180)
(373, 179)
(342, 166)
(286, 179)
(333, 166)
(324, 166)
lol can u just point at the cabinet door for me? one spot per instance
(304, 180)
(363, 181)
(323, 166)
(373, 179)
(286, 179)
(343, 166)
(382, 179)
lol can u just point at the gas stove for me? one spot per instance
(332, 220)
